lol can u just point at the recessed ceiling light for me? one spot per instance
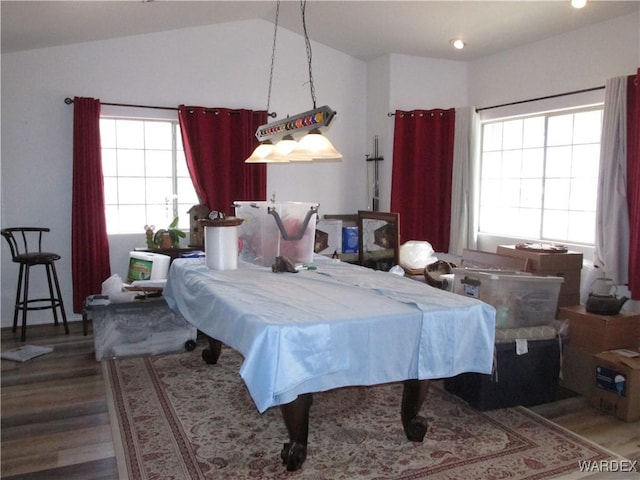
(457, 43)
(578, 3)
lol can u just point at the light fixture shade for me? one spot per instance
(315, 146)
(281, 150)
(286, 145)
(264, 153)
(261, 152)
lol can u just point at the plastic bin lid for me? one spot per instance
(494, 274)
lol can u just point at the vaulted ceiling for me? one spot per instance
(361, 28)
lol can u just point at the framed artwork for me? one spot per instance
(378, 239)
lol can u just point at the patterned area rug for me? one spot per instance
(178, 418)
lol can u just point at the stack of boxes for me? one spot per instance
(528, 350)
(566, 265)
(601, 360)
(592, 365)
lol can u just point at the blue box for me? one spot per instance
(349, 239)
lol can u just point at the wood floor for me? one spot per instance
(55, 423)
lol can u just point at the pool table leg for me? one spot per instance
(413, 395)
(296, 419)
(210, 355)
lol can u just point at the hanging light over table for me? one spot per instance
(314, 145)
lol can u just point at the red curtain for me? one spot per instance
(216, 143)
(421, 177)
(633, 182)
(89, 241)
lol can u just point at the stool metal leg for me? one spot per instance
(53, 300)
(16, 308)
(60, 302)
(25, 303)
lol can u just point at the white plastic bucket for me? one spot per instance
(221, 247)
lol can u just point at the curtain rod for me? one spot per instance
(69, 101)
(391, 114)
(541, 98)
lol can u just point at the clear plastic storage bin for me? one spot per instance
(145, 327)
(273, 229)
(521, 300)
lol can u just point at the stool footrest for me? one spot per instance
(56, 303)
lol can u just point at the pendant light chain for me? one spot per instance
(303, 6)
(273, 54)
(313, 145)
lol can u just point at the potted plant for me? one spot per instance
(169, 237)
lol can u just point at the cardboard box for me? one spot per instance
(571, 282)
(594, 333)
(545, 262)
(566, 265)
(568, 299)
(616, 384)
(577, 370)
(479, 259)
(590, 334)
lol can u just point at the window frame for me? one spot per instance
(166, 117)
(487, 239)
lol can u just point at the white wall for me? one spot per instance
(581, 59)
(412, 83)
(379, 125)
(225, 66)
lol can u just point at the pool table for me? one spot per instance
(333, 325)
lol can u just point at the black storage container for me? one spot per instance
(527, 379)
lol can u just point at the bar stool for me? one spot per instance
(26, 249)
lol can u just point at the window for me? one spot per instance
(146, 181)
(539, 176)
